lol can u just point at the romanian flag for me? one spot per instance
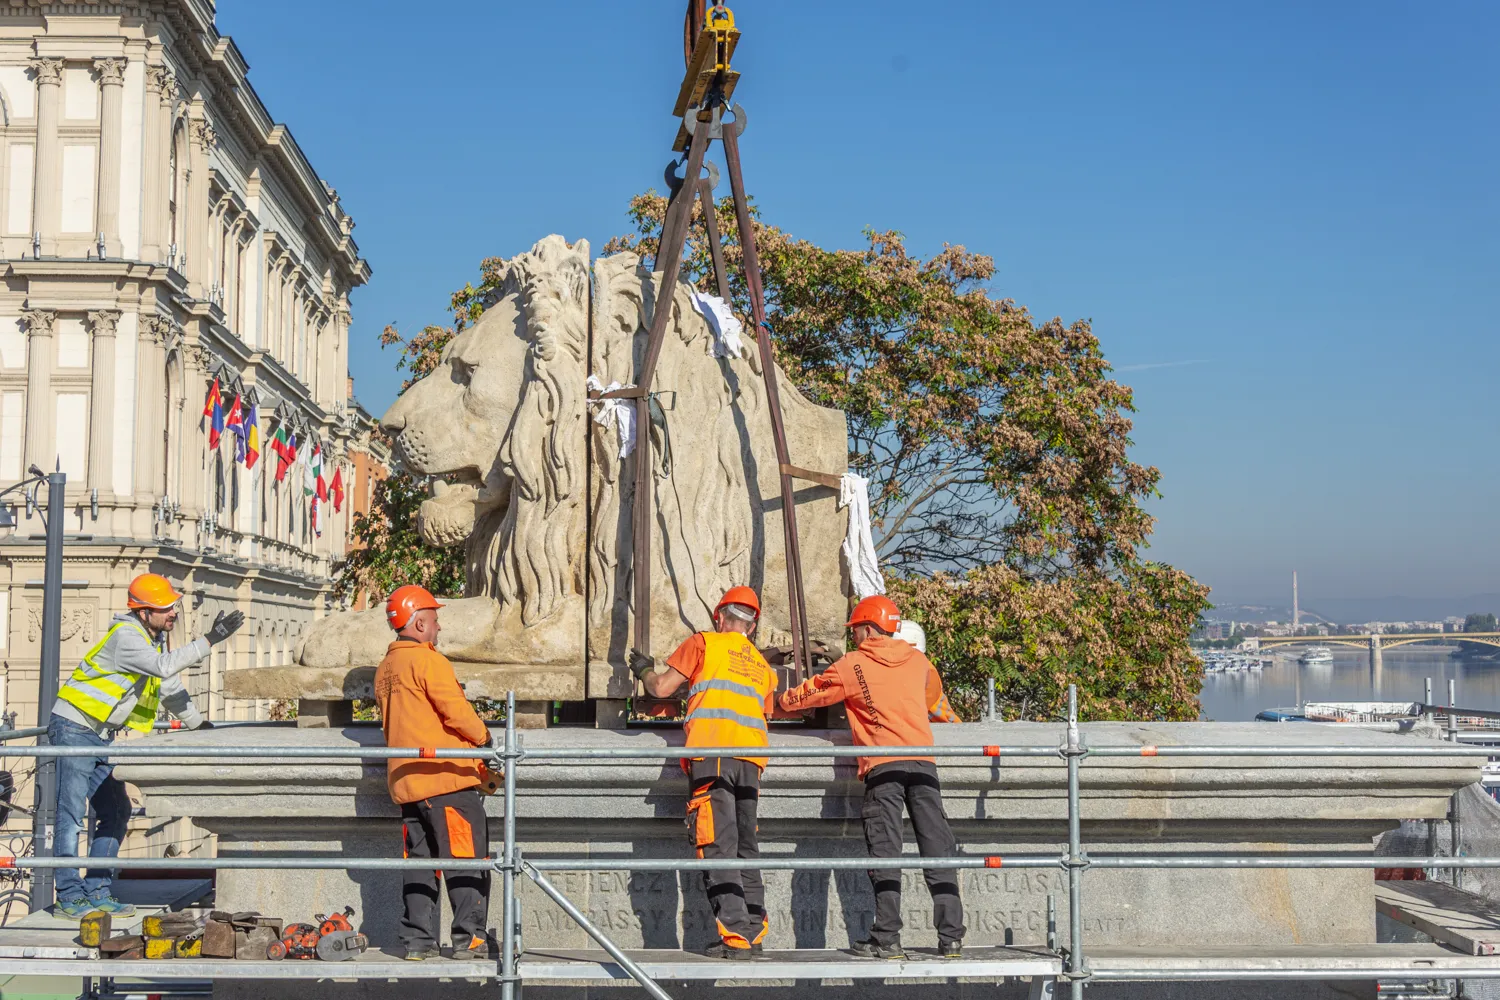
(252, 436)
(236, 424)
(337, 489)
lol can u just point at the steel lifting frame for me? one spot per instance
(701, 103)
(511, 864)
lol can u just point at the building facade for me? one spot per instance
(159, 234)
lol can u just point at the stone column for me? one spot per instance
(46, 216)
(112, 84)
(154, 166)
(102, 399)
(1377, 666)
(201, 139)
(151, 411)
(40, 324)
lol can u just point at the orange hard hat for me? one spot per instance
(742, 596)
(150, 590)
(407, 601)
(877, 610)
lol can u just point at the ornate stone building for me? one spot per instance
(159, 230)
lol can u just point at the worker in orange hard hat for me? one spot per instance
(893, 693)
(731, 693)
(442, 811)
(119, 684)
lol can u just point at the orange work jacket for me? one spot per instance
(421, 705)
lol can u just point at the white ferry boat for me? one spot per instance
(1316, 656)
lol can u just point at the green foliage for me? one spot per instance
(389, 551)
(1121, 637)
(1480, 623)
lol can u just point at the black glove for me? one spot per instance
(642, 665)
(225, 625)
(205, 724)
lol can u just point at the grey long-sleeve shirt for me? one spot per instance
(130, 652)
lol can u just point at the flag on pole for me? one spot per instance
(337, 489)
(322, 484)
(213, 409)
(281, 445)
(317, 518)
(309, 476)
(252, 436)
(236, 424)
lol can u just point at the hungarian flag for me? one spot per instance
(236, 424)
(313, 484)
(252, 436)
(213, 409)
(337, 488)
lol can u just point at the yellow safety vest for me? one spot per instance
(97, 692)
(726, 704)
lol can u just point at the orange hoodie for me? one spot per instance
(891, 690)
(421, 705)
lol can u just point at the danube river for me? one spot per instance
(1235, 697)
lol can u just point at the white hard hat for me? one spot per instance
(913, 633)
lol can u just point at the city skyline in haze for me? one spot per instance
(1281, 220)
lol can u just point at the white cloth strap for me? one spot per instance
(859, 543)
(620, 412)
(725, 325)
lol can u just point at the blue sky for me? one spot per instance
(1281, 218)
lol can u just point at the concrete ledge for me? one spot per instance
(480, 680)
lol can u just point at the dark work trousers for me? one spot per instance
(721, 820)
(887, 787)
(445, 826)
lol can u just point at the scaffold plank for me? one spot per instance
(1444, 913)
(583, 965)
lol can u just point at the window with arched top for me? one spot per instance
(177, 184)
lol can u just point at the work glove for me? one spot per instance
(642, 665)
(225, 625)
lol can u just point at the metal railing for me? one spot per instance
(511, 864)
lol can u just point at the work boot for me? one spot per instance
(422, 954)
(728, 953)
(478, 948)
(870, 948)
(951, 949)
(112, 906)
(73, 909)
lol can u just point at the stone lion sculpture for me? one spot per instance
(539, 496)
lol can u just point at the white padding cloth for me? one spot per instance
(859, 544)
(726, 326)
(619, 412)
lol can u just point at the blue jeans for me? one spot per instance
(80, 781)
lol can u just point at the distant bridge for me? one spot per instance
(1376, 642)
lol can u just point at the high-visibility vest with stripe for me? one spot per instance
(726, 704)
(97, 691)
